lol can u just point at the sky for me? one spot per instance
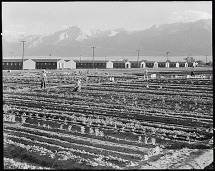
(49, 17)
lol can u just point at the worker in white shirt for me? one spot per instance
(145, 72)
(43, 79)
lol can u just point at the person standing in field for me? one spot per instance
(192, 72)
(43, 79)
(145, 72)
(77, 86)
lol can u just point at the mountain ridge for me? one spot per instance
(177, 38)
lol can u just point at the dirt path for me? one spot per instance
(180, 159)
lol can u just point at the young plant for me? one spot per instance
(153, 141)
(146, 140)
(82, 129)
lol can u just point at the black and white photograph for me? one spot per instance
(107, 85)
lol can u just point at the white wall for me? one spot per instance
(155, 65)
(61, 64)
(167, 64)
(177, 65)
(109, 64)
(29, 64)
(128, 63)
(195, 63)
(142, 65)
(70, 64)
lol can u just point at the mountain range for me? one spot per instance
(177, 38)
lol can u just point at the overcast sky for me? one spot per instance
(48, 17)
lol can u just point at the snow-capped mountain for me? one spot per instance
(186, 38)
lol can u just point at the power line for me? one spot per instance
(93, 55)
(167, 55)
(23, 43)
(138, 58)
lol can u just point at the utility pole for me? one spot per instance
(23, 43)
(206, 58)
(80, 58)
(106, 63)
(167, 55)
(93, 56)
(138, 58)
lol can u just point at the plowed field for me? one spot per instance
(130, 123)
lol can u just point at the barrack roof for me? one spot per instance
(149, 61)
(182, 62)
(90, 61)
(161, 62)
(118, 61)
(13, 60)
(46, 60)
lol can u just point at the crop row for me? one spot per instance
(103, 101)
(98, 109)
(158, 92)
(141, 127)
(135, 85)
(53, 155)
(71, 101)
(84, 143)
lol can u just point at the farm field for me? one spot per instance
(132, 123)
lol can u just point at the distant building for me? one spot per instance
(29, 64)
(183, 64)
(49, 63)
(163, 64)
(196, 64)
(89, 64)
(192, 64)
(109, 64)
(16, 64)
(127, 64)
(151, 64)
(142, 64)
(70, 64)
(135, 64)
(119, 64)
(12, 64)
(155, 64)
(173, 64)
